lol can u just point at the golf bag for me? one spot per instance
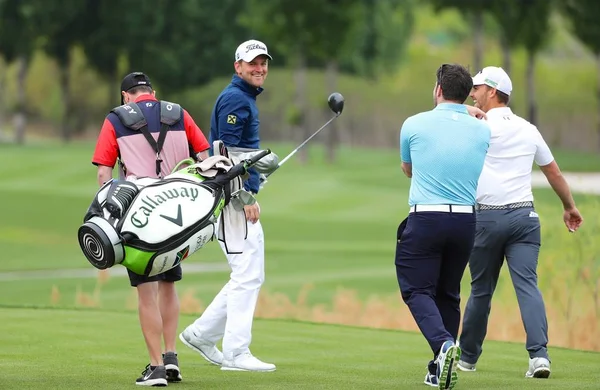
(151, 225)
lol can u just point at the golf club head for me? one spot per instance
(336, 102)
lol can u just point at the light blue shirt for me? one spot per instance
(446, 147)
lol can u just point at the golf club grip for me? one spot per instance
(241, 167)
(260, 155)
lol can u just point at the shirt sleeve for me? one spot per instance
(107, 149)
(232, 115)
(543, 155)
(193, 133)
(405, 143)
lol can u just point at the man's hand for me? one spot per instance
(573, 219)
(252, 212)
(476, 112)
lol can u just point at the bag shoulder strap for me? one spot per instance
(170, 113)
(130, 116)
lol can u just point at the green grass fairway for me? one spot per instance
(329, 228)
(330, 241)
(84, 349)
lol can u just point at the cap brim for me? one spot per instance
(250, 56)
(479, 79)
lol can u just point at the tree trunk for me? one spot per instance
(20, 119)
(598, 95)
(65, 92)
(531, 104)
(300, 104)
(2, 110)
(114, 95)
(332, 139)
(506, 55)
(478, 34)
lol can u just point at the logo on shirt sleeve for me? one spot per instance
(231, 119)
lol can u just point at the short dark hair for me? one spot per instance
(502, 97)
(140, 89)
(456, 82)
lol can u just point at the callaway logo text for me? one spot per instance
(139, 218)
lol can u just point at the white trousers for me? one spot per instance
(230, 314)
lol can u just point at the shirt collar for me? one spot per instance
(245, 86)
(145, 97)
(452, 107)
(499, 111)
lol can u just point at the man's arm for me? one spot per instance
(106, 152)
(104, 174)
(196, 138)
(232, 114)
(407, 169)
(571, 215)
(202, 155)
(405, 149)
(476, 112)
(559, 184)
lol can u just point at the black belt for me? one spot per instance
(510, 206)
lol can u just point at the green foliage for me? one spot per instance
(105, 35)
(534, 23)
(59, 24)
(377, 41)
(509, 16)
(17, 28)
(584, 15)
(178, 44)
(282, 25)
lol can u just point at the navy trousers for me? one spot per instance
(432, 253)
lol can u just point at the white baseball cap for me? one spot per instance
(494, 77)
(251, 49)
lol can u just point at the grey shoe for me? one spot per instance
(207, 350)
(464, 366)
(156, 376)
(172, 367)
(539, 367)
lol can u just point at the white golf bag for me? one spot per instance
(151, 225)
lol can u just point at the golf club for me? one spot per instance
(336, 104)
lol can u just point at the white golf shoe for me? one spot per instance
(538, 368)
(207, 350)
(246, 362)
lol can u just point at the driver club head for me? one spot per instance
(336, 102)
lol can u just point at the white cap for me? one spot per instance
(494, 77)
(251, 49)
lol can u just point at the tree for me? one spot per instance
(584, 15)
(17, 38)
(286, 27)
(508, 16)
(534, 26)
(103, 40)
(61, 25)
(378, 38)
(473, 11)
(311, 33)
(182, 44)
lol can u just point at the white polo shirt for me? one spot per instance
(514, 146)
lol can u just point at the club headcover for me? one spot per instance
(265, 165)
